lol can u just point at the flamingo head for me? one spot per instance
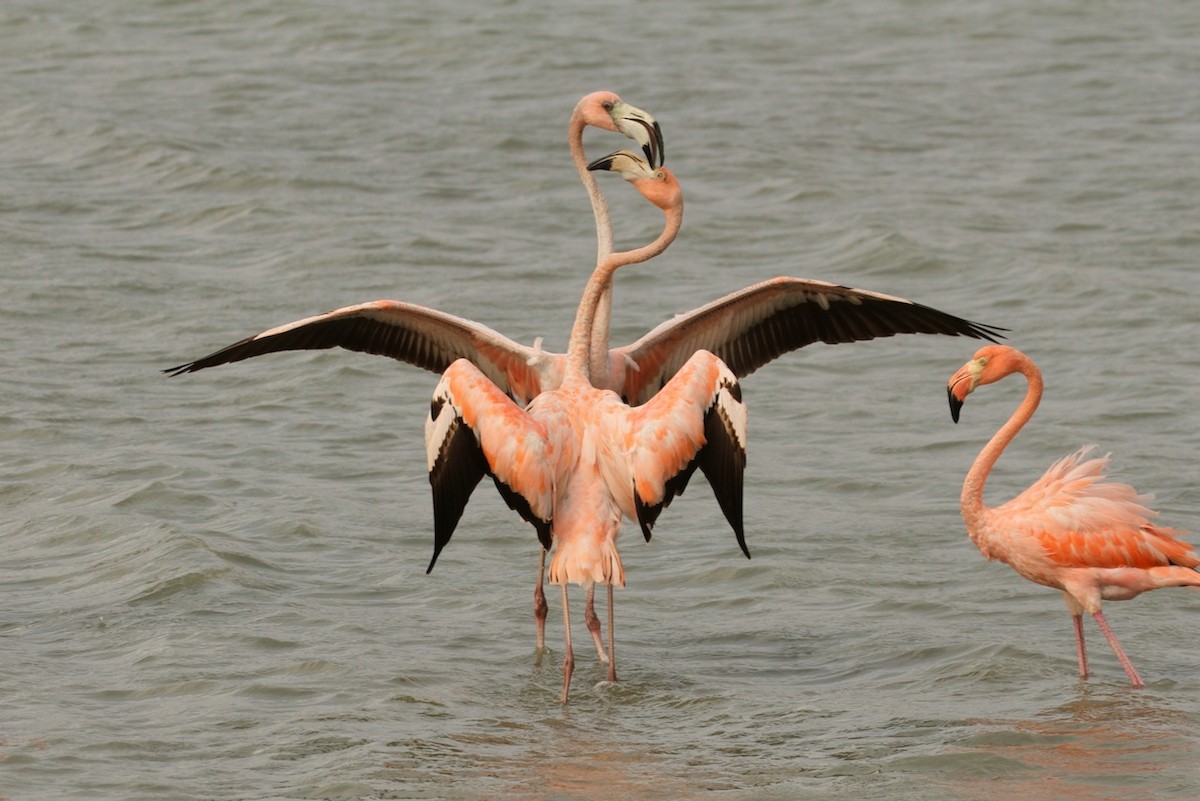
(989, 364)
(607, 111)
(658, 185)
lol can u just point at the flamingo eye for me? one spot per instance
(607, 105)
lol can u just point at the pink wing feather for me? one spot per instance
(1083, 520)
(697, 420)
(473, 430)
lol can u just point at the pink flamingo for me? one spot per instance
(1071, 530)
(577, 458)
(432, 339)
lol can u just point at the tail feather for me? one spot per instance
(1175, 576)
(580, 562)
(1168, 542)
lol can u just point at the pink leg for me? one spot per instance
(569, 658)
(1079, 646)
(1134, 678)
(540, 607)
(593, 623)
(612, 640)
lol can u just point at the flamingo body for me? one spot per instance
(578, 458)
(1092, 539)
(643, 457)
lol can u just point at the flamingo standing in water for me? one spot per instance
(432, 339)
(1071, 530)
(578, 458)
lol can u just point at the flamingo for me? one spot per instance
(1071, 530)
(432, 339)
(577, 458)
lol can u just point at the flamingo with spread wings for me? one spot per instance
(577, 458)
(432, 339)
(1071, 530)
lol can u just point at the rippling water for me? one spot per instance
(214, 586)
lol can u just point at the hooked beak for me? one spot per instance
(960, 386)
(955, 403)
(604, 162)
(643, 129)
(630, 165)
(655, 152)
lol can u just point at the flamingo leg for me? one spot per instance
(540, 607)
(1080, 649)
(1134, 678)
(612, 640)
(569, 658)
(593, 623)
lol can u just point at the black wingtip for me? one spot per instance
(644, 518)
(988, 332)
(545, 536)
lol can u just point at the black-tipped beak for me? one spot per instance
(603, 163)
(659, 158)
(955, 404)
(655, 152)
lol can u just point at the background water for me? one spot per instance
(213, 586)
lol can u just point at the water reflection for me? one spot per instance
(1105, 743)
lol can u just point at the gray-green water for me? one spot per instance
(213, 586)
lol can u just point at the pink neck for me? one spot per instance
(602, 320)
(604, 235)
(600, 283)
(972, 491)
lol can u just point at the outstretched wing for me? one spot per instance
(418, 335)
(473, 430)
(698, 420)
(750, 327)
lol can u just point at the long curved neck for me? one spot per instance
(972, 491)
(602, 322)
(604, 234)
(579, 348)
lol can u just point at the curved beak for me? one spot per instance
(630, 165)
(604, 162)
(956, 403)
(643, 129)
(960, 386)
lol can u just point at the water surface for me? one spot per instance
(214, 585)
